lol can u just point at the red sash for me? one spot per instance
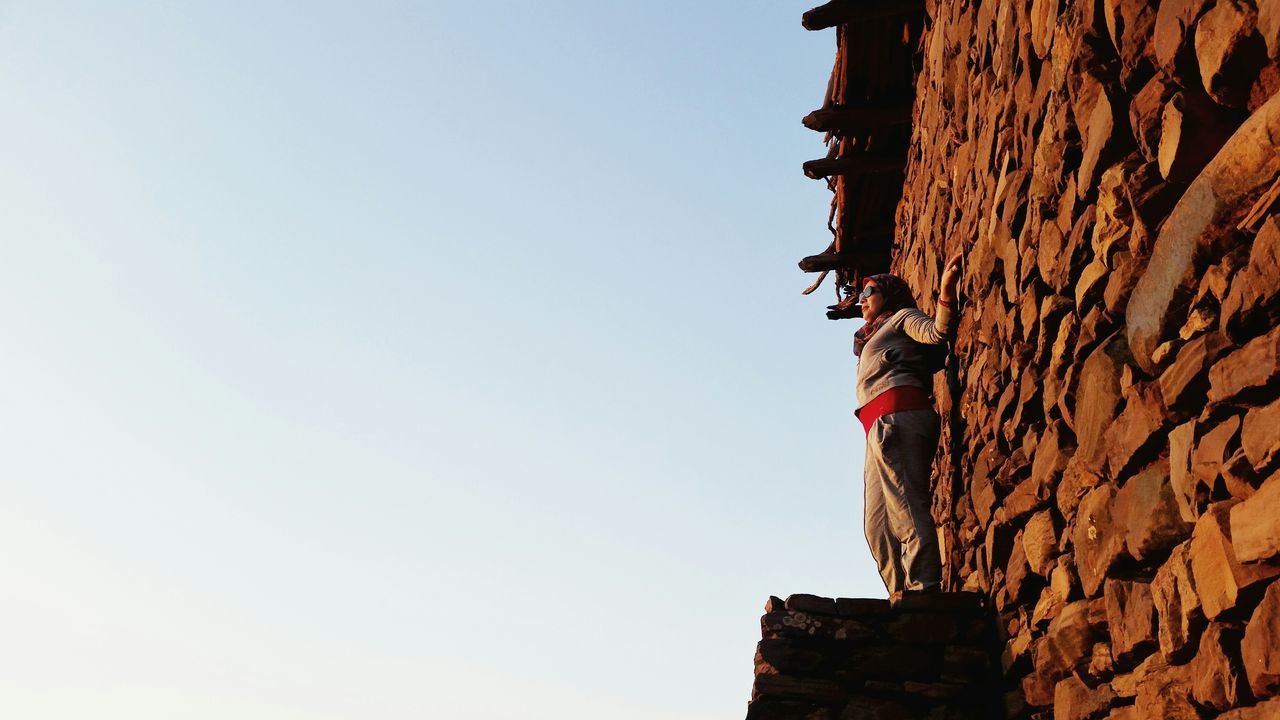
(903, 397)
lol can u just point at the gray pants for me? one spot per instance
(897, 519)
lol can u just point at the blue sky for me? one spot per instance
(412, 360)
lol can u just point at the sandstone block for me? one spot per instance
(1051, 455)
(1113, 212)
(1245, 165)
(1040, 543)
(1125, 267)
(787, 656)
(1137, 434)
(806, 603)
(1016, 650)
(1070, 637)
(1063, 579)
(1266, 84)
(1048, 607)
(983, 498)
(1153, 520)
(1152, 199)
(1130, 24)
(1151, 666)
(1193, 128)
(968, 604)
(1102, 665)
(1164, 692)
(791, 624)
(861, 707)
(1076, 482)
(1097, 400)
(1239, 479)
(1084, 85)
(892, 662)
(1252, 301)
(1095, 329)
(1216, 678)
(820, 692)
(770, 708)
(1028, 497)
(1044, 17)
(1099, 538)
(1252, 367)
(1073, 700)
(1219, 575)
(1175, 20)
(859, 607)
(1260, 648)
(1181, 477)
(1262, 711)
(1016, 574)
(997, 545)
(1131, 620)
(1259, 436)
(1269, 27)
(1186, 380)
(1255, 524)
(1038, 688)
(1146, 111)
(1091, 282)
(1181, 617)
(1049, 254)
(924, 627)
(1229, 51)
(1211, 450)
(1125, 685)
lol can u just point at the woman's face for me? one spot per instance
(872, 301)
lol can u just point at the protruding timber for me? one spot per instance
(843, 118)
(846, 309)
(853, 165)
(839, 12)
(831, 261)
(845, 261)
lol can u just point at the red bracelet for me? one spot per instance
(943, 302)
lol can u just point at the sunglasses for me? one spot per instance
(868, 291)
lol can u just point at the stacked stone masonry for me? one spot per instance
(1110, 466)
(1111, 476)
(930, 656)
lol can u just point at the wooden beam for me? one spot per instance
(839, 12)
(852, 165)
(823, 262)
(826, 262)
(845, 309)
(843, 118)
(814, 285)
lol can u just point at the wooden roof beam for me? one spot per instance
(854, 165)
(826, 262)
(842, 118)
(844, 311)
(839, 12)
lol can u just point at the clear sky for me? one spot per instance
(412, 360)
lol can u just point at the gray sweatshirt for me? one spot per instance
(895, 354)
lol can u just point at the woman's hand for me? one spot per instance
(950, 280)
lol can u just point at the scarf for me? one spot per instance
(896, 297)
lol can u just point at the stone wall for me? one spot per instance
(1110, 475)
(925, 656)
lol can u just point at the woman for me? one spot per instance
(894, 387)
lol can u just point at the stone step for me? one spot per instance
(919, 655)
